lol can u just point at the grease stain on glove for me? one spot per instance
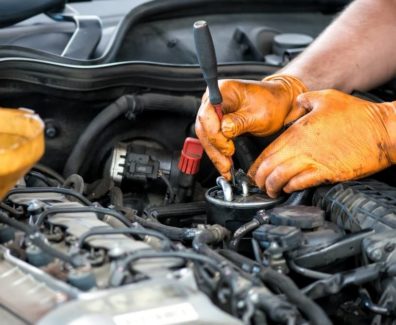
(340, 138)
(260, 108)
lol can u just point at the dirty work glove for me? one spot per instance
(341, 138)
(258, 108)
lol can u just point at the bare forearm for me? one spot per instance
(356, 52)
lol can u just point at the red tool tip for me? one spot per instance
(190, 157)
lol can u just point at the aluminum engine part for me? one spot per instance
(164, 301)
(40, 292)
(381, 246)
(75, 224)
(142, 163)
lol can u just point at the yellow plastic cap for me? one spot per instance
(21, 145)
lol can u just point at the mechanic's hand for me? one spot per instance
(342, 138)
(259, 108)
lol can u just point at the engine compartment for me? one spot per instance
(123, 222)
(82, 251)
(114, 227)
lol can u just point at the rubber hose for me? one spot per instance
(104, 211)
(310, 309)
(127, 104)
(258, 220)
(124, 231)
(16, 224)
(60, 190)
(204, 238)
(244, 263)
(49, 171)
(177, 210)
(174, 233)
(242, 231)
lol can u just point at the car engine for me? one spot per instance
(125, 220)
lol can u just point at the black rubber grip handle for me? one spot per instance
(207, 59)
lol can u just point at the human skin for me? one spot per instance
(351, 54)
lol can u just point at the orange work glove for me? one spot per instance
(21, 145)
(341, 138)
(259, 108)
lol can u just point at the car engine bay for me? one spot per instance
(125, 220)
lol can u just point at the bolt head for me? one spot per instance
(51, 132)
(376, 254)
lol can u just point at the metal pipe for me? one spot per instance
(226, 188)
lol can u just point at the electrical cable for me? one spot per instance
(35, 237)
(367, 303)
(307, 272)
(11, 210)
(172, 194)
(256, 251)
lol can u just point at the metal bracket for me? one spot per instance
(86, 36)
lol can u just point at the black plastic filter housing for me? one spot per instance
(240, 210)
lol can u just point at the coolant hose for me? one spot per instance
(125, 231)
(336, 282)
(259, 219)
(311, 310)
(214, 234)
(174, 233)
(77, 210)
(243, 262)
(200, 237)
(129, 105)
(275, 279)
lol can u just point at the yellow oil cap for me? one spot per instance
(21, 145)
